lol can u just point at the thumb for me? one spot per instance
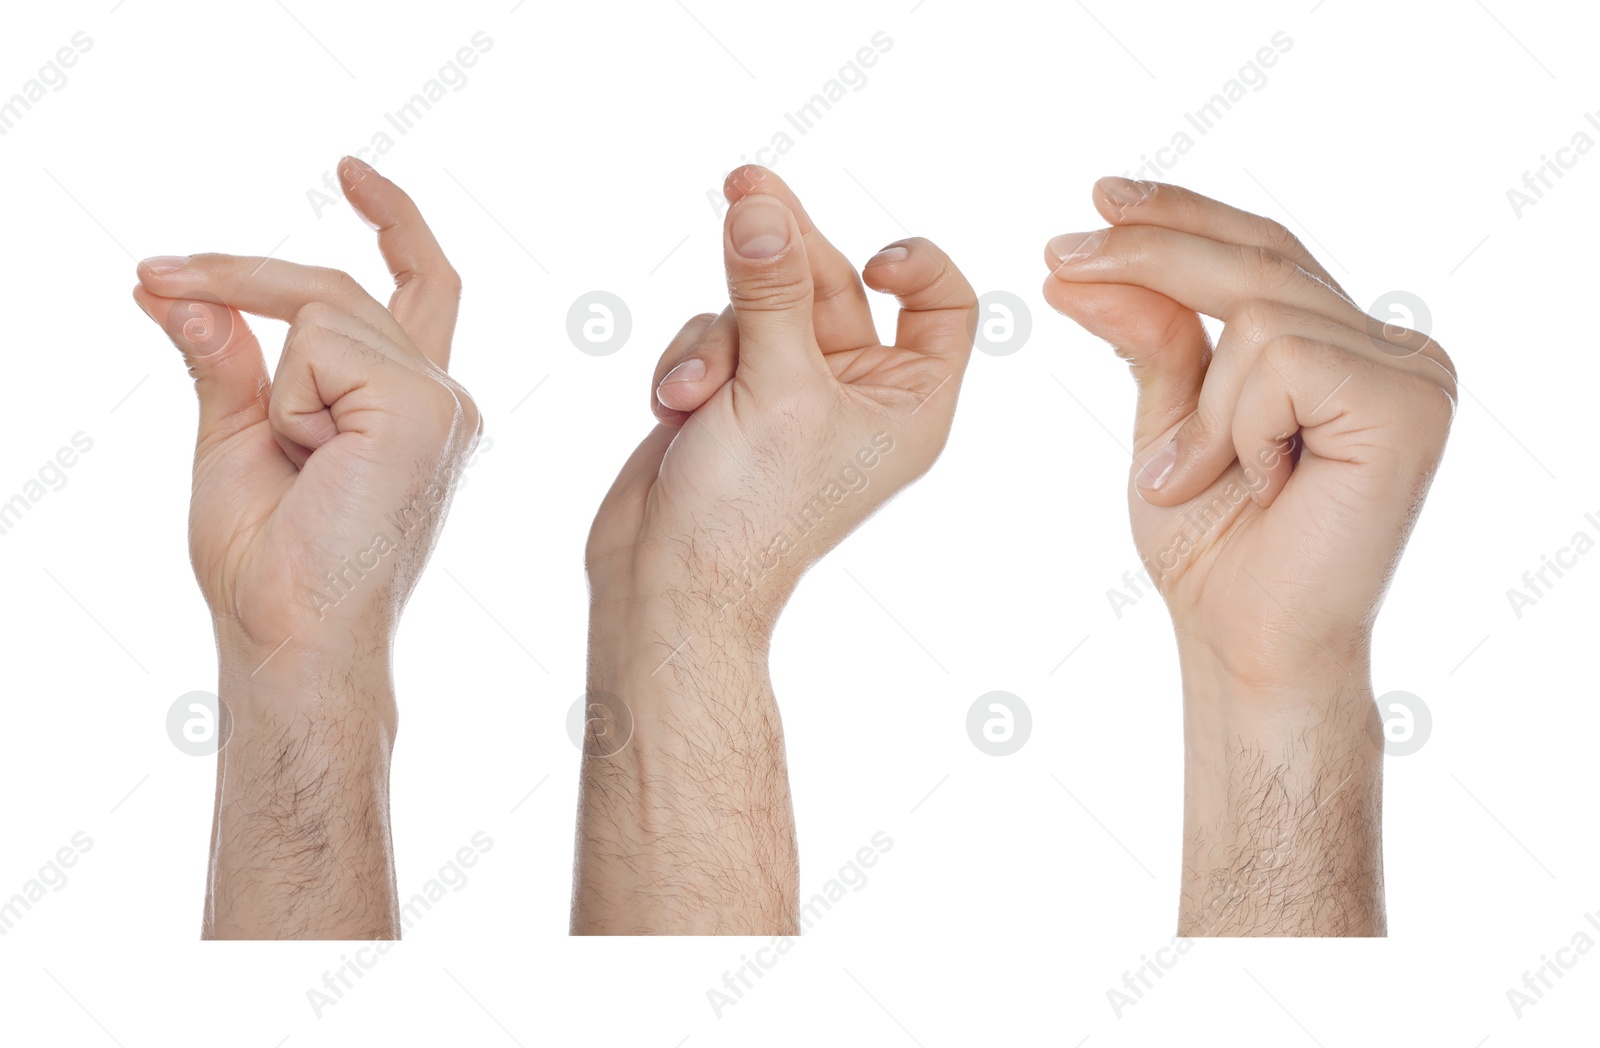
(769, 288)
(223, 356)
(1164, 343)
(614, 532)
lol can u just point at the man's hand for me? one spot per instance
(1273, 486)
(784, 422)
(318, 495)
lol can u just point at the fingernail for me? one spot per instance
(893, 253)
(1123, 191)
(1155, 472)
(761, 228)
(362, 164)
(691, 370)
(159, 264)
(1071, 247)
(671, 392)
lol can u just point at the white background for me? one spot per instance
(578, 156)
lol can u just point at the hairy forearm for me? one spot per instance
(301, 846)
(1283, 807)
(685, 821)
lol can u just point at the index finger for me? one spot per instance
(427, 293)
(1206, 275)
(266, 287)
(1124, 201)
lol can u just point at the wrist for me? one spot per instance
(294, 679)
(1248, 694)
(684, 779)
(1282, 801)
(301, 846)
(647, 617)
(660, 656)
(705, 588)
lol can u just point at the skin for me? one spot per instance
(1274, 483)
(794, 424)
(318, 494)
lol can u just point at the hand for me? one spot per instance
(318, 495)
(1274, 484)
(1272, 489)
(783, 423)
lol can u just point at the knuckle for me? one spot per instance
(1446, 362)
(699, 334)
(442, 405)
(312, 316)
(1262, 268)
(1206, 426)
(1284, 353)
(1279, 239)
(337, 282)
(943, 282)
(1256, 321)
(449, 281)
(770, 292)
(1429, 411)
(471, 417)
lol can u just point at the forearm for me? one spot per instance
(1283, 807)
(301, 847)
(685, 820)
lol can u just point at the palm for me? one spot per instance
(1276, 579)
(257, 522)
(888, 373)
(1286, 579)
(736, 470)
